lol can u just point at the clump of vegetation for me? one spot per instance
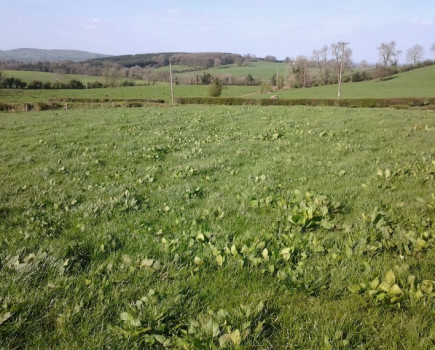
(215, 88)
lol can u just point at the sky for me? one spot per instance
(257, 27)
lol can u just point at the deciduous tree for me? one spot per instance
(388, 53)
(414, 55)
(300, 75)
(320, 57)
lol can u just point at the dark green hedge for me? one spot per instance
(352, 103)
(105, 100)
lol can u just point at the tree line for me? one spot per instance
(322, 68)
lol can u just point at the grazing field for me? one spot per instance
(206, 227)
(28, 76)
(261, 70)
(416, 83)
(158, 91)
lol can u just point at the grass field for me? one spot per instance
(28, 76)
(416, 83)
(205, 227)
(158, 91)
(262, 70)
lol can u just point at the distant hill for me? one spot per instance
(198, 60)
(39, 55)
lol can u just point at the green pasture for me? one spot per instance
(262, 70)
(28, 76)
(416, 83)
(157, 91)
(205, 227)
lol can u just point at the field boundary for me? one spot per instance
(74, 103)
(401, 103)
(83, 103)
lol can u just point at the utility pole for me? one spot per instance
(172, 85)
(277, 79)
(342, 44)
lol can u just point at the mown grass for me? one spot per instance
(202, 227)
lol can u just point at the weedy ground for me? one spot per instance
(217, 227)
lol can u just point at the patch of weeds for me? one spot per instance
(147, 322)
(383, 234)
(392, 291)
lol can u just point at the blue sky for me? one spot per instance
(258, 27)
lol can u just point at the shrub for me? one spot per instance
(95, 85)
(4, 107)
(76, 84)
(126, 83)
(215, 89)
(130, 104)
(35, 84)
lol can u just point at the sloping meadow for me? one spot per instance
(217, 227)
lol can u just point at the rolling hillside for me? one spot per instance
(36, 55)
(416, 83)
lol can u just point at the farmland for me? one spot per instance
(206, 227)
(158, 91)
(415, 83)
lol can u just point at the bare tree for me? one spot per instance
(320, 57)
(270, 58)
(300, 75)
(364, 64)
(388, 53)
(111, 73)
(432, 48)
(415, 54)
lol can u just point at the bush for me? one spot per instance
(356, 77)
(126, 83)
(130, 104)
(35, 84)
(95, 85)
(4, 107)
(215, 89)
(76, 84)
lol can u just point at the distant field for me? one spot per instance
(158, 91)
(206, 227)
(416, 83)
(27, 76)
(262, 70)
